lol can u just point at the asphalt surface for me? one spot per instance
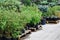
(49, 32)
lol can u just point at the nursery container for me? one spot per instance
(29, 25)
(6, 38)
(43, 21)
(0, 38)
(55, 18)
(26, 28)
(14, 38)
(51, 18)
(22, 30)
(36, 26)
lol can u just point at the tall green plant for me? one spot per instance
(55, 9)
(13, 17)
(10, 19)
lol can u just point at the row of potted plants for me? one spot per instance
(14, 17)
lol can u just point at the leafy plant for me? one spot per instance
(48, 12)
(10, 21)
(55, 9)
(13, 17)
(32, 14)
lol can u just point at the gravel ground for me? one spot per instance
(49, 32)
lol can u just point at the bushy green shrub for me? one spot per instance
(48, 13)
(36, 14)
(55, 10)
(33, 13)
(52, 10)
(10, 19)
(13, 17)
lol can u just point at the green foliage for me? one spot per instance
(13, 16)
(51, 11)
(52, 0)
(10, 19)
(55, 9)
(37, 1)
(36, 14)
(32, 13)
(48, 12)
(26, 2)
(44, 2)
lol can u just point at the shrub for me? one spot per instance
(52, 10)
(10, 19)
(32, 13)
(55, 10)
(13, 17)
(8, 22)
(48, 12)
(36, 14)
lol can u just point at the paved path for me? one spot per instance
(49, 32)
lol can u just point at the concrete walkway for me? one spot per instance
(49, 32)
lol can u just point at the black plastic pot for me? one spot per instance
(8, 38)
(14, 38)
(52, 19)
(0, 38)
(36, 26)
(58, 18)
(26, 28)
(29, 25)
(43, 21)
(4, 38)
(22, 30)
(47, 18)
